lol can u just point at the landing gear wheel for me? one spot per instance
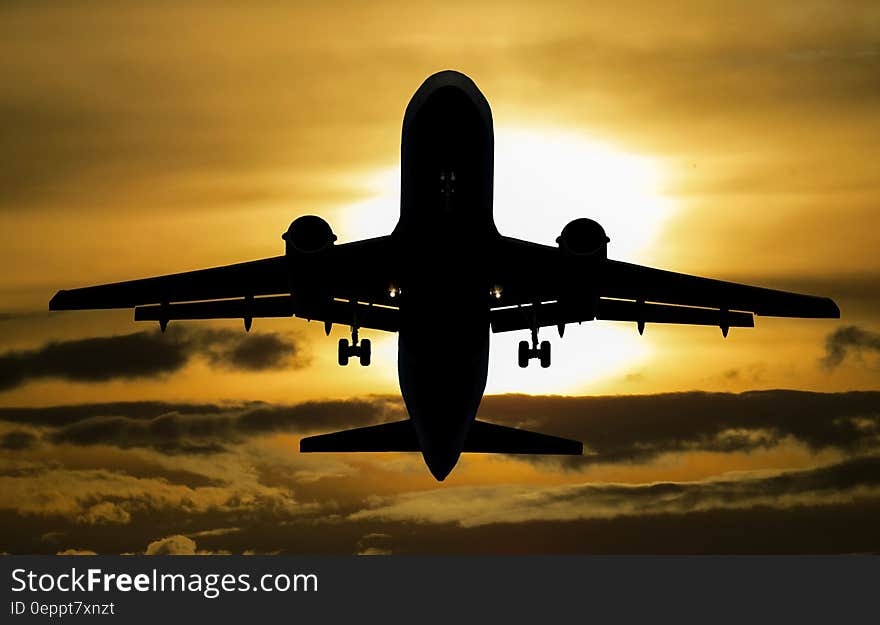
(365, 351)
(343, 352)
(544, 354)
(523, 354)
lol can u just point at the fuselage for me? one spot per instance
(444, 234)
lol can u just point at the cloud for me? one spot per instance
(849, 341)
(195, 428)
(17, 440)
(627, 428)
(177, 545)
(638, 428)
(219, 531)
(76, 552)
(374, 551)
(147, 354)
(115, 488)
(374, 544)
(484, 505)
(93, 497)
(105, 513)
(138, 355)
(259, 352)
(193, 433)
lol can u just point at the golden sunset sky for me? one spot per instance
(736, 141)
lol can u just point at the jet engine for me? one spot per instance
(307, 235)
(584, 237)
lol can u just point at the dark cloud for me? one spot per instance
(168, 433)
(849, 475)
(628, 428)
(849, 340)
(256, 353)
(17, 440)
(830, 509)
(58, 416)
(142, 354)
(122, 505)
(635, 428)
(480, 505)
(194, 429)
(147, 354)
(375, 544)
(835, 528)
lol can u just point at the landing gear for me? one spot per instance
(527, 352)
(524, 354)
(544, 354)
(363, 350)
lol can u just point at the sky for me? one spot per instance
(732, 142)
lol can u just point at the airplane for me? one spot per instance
(442, 279)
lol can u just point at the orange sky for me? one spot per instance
(146, 141)
(735, 143)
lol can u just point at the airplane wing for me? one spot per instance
(572, 289)
(627, 281)
(333, 286)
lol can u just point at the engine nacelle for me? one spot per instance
(584, 237)
(307, 235)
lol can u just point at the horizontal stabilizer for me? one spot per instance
(484, 438)
(395, 436)
(488, 438)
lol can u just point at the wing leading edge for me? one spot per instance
(339, 285)
(636, 282)
(258, 277)
(545, 287)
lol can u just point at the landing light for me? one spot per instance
(393, 292)
(496, 292)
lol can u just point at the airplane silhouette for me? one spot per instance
(442, 279)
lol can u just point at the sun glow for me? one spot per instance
(544, 178)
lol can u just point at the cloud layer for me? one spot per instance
(115, 477)
(638, 428)
(614, 429)
(147, 354)
(834, 484)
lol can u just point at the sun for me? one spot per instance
(544, 178)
